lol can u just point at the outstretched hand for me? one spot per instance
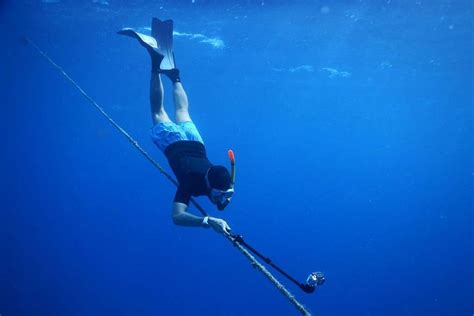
(219, 225)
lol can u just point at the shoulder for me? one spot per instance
(183, 194)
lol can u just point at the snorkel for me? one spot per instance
(232, 168)
(222, 205)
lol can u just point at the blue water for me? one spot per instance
(352, 124)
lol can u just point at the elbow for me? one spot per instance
(179, 213)
(175, 219)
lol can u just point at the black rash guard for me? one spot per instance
(189, 162)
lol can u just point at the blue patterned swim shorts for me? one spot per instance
(164, 134)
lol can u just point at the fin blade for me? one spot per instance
(145, 40)
(162, 32)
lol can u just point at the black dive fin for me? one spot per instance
(146, 41)
(162, 32)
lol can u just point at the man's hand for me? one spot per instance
(219, 225)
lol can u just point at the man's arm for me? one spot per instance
(183, 218)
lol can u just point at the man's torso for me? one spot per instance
(188, 160)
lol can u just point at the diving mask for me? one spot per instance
(220, 197)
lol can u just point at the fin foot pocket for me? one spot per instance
(172, 74)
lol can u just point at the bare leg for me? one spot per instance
(180, 103)
(158, 113)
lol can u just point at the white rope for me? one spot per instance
(272, 279)
(135, 144)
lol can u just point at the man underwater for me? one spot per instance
(181, 142)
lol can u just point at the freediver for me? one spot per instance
(181, 142)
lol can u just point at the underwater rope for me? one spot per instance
(254, 262)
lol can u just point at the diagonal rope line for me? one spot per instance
(254, 262)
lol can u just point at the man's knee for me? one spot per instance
(160, 117)
(182, 115)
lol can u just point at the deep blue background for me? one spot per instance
(367, 177)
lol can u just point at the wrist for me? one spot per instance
(205, 221)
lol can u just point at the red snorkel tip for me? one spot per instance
(231, 156)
